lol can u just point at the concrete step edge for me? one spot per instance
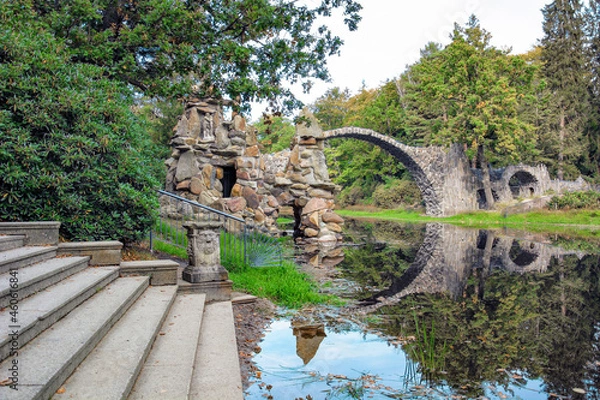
(33, 278)
(111, 369)
(10, 242)
(23, 256)
(217, 372)
(167, 372)
(39, 319)
(48, 360)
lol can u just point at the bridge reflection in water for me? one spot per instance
(448, 255)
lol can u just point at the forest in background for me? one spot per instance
(538, 107)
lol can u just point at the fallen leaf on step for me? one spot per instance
(6, 382)
(61, 390)
(161, 333)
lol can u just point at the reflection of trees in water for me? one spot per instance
(540, 324)
(375, 266)
(389, 250)
(397, 234)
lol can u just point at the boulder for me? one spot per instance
(236, 190)
(194, 124)
(334, 227)
(332, 217)
(314, 204)
(252, 151)
(259, 216)
(197, 186)
(310, 232)
(185, 185)
(186, 167)
(251, 197)
(311, 129)
(236, 204)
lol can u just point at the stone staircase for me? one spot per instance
(73, 328)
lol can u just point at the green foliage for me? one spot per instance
(275, 133)
(470, 93)
(283, 285)
(70, 147)
(565, 67)
(169, 248)
(397, 193)
(247, 50)
(576, 201)
(162, 116)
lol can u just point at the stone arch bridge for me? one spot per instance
(447, 182)
(443, 176)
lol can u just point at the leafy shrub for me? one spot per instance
(350, 196)
(575, 201)
(397, 193)
(70, 147)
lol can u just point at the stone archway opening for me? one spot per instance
(522, 184)
(228, 180)
(481, 199)
(522, 253)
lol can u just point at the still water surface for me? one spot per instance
(438, 311)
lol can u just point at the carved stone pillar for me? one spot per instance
(204, 253)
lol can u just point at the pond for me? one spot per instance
(437, 311)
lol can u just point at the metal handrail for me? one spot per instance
(207, 208)
(239, 238)
(176, 234)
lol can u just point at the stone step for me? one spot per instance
(217, 369)
(9, 242)
(38, 312)
(28, 280)
(113, 366)
(167, 372)
(23, 256)
(48, 360)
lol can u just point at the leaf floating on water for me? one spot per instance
(579, 390)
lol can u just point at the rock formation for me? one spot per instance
(218, 163)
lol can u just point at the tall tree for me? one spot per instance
(247, 50)
(564, 67)
(471, 93)
(593, 35)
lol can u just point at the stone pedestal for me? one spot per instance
(205, 272)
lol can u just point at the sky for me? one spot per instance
(392, 32)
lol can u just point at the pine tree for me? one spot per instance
(564, 67)
(593, 36)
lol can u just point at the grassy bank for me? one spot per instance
(580, 222)
(283, 284)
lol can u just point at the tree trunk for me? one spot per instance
(487, 183)
(561, 144)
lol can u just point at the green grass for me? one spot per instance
(581, 223)
(169, 248)
(285, 285)
(264, 274)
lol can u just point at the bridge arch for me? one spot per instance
(424, 164)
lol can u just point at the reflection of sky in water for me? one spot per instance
(349, 354)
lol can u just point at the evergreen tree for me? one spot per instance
(564, 68)
(593, 34)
